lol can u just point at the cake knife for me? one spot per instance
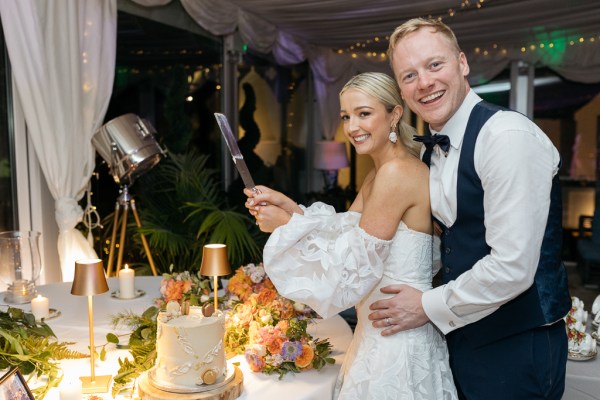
(236, 154)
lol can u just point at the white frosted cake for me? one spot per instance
(189, 350)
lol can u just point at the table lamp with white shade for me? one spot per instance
(329, 157)
(215, 263)
(89, 280)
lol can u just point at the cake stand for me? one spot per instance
(230, 391)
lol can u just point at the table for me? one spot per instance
(72, 325)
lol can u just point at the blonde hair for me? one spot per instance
(384, 88)
(414, 25)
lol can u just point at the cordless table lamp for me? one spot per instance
(215, 264)
(89, 280)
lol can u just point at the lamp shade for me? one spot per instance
(214, 260)
(89, 278)
(330, 155)
(128, 146)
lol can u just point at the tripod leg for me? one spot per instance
(144, 241)
(113, 240)
(122, 239)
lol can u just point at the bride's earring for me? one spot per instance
(393, 136)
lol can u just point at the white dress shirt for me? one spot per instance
(516, 162)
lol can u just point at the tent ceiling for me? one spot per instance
(342, 23)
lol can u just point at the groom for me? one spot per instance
(495, 194)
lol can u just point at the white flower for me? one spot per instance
(266, 319)
(299, 307)
(257, 276)
(204, 298)
(274, 360)
(258, 349)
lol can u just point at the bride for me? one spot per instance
(332, 261)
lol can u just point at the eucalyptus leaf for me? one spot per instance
(112, 338)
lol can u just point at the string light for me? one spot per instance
(495, 50)
(465, 5)
(554, 45)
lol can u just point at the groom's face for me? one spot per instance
(431, 74)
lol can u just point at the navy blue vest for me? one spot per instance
(463, 244)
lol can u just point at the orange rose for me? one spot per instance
(266, 295)
(305, 359)
(283, 325)
(275, 344)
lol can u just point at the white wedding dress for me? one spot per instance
(328, 262)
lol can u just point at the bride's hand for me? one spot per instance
(266, 196)
(269, 217)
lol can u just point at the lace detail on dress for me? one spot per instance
(325, 260)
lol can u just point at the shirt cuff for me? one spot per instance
(438, 312)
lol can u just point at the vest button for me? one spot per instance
(447, 270)
(448, 250)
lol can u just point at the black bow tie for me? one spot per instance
(430, 141)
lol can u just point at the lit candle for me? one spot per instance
(71, 390)
(126, 283)
(40, 307)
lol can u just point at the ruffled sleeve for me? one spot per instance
(324, 259)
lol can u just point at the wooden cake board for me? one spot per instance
(232, 390)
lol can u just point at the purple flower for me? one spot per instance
(291, 350)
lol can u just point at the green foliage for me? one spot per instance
(142, 346)
(322, 354)
(33, 348)
(182, 208)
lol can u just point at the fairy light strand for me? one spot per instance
(359, 47)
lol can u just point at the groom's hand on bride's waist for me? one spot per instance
(398, 313)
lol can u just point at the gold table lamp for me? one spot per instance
(89, 280)
(215, 263)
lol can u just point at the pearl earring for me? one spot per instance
(393, 137)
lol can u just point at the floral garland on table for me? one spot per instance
(270, 330)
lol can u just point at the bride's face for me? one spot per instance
(367, 123)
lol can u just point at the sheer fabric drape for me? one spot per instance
(63, 60)
(269, 35)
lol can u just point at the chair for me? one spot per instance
(588, 245)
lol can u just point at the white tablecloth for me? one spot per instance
(583, 379)
(72, 325)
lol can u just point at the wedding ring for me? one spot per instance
(387, 321)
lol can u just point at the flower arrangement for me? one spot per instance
(270, 330)
(183, 286)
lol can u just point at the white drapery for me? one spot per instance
(63, 59)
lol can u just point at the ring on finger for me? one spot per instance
(388, 322)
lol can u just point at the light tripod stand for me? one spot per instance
(128, 146)
(125, 201)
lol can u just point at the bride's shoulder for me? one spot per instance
(403, 174)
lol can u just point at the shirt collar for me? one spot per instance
(457, 124)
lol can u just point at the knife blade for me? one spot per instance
(236, 154)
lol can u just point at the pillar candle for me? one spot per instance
(40, 307)
(126, 283)
(71, 390)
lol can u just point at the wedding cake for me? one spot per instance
(189, 349)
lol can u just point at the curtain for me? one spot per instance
(63, 59)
